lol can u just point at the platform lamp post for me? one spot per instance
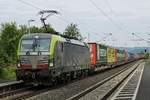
(29, 21)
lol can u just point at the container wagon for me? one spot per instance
(98, 54)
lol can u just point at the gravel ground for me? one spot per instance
(71, 89)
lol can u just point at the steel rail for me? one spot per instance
(88, 90)
(20, 91)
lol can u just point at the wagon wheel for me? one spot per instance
(67, 77)
(55, 81)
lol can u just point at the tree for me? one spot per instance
(49, 29)
(35, 29)
(9, 41)
(2, 56)
(73, 31)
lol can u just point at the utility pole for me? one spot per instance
(88, 38)
(49, 13)
(29, 21)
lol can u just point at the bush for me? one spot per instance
(7, 73)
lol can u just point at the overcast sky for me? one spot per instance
(119, 17)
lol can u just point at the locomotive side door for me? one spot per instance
(58, 57)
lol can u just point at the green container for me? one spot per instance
(120, 55)
(101, 54)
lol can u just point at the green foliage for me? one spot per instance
(49, 29)
(8, 73)
(147, 55)
(9, 41)
(73, 31)
(23, 29)
(35, 29)
(2, 56)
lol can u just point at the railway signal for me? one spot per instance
(145, 50)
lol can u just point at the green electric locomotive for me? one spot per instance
(45, 58)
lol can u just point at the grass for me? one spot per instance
(7, 73)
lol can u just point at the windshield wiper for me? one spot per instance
(33, 47)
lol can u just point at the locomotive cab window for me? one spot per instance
(42, 44)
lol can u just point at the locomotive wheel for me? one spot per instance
(67, 77)
(82, 72)
(18, 78)
(79, 74)
(61, 79)
(55, 81)
(85, 73)
(72, 76)
(90, 71)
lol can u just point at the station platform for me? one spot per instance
(144, 88)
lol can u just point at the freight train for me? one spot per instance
(48, 58)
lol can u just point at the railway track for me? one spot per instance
(103, 89)
(72, 89)
(11, 88)
(129, 89)
(22, 91)
(19, 90)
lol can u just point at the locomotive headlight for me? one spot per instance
(18, 65)
(36, 37)
(50, 64)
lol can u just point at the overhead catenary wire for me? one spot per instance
(109, 6)
(103, 12)
(30, 4)
(66, 21)
(140, 37)
(36, 7)
(115, 15)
